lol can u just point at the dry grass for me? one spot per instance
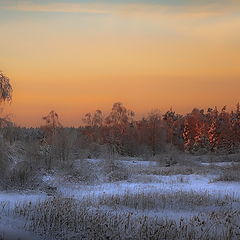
(65, 218)
(4, 208)
(230, 173)
(158, 201)
(222, 158)
(173, 170)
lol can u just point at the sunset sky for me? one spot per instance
(78, 56)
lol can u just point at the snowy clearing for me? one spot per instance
(140, 195)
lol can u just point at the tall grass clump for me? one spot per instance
(230, 173)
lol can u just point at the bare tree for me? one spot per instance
(93, 120)
(118, 122)
(5, 89)
(52, 124)
(5, 96)
(119, 116)
(156, 131)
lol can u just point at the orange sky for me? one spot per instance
(77, 57)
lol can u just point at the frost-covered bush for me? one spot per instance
(21, 176)
(4, 156)
(115, 171)
(83, 171)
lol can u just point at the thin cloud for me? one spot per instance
(54, 7)
(181, 10)
(150, 9)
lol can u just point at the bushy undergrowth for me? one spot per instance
(20, 175)
(114, 171)
(96, 170)
(83, 171)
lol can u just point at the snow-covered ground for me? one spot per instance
(13, 198)
(126, 162)
(138, 163)
(219, 164)
(163, 184)
(13, 228)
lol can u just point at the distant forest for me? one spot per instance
(198, 132)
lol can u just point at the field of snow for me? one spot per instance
(219, 164)
(163, 184)
(147, 186)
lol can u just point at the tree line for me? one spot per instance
(199, 131)
(196, 132)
